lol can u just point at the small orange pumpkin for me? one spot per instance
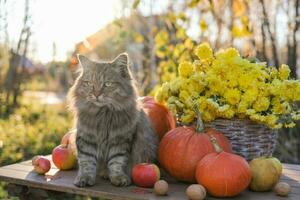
(162, 119)
(223, 174)
(183, 147)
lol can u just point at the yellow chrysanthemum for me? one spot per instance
(277, 126)
(203, 51)
(168, 76)
(289, 125)
(172, 107)
(228, 114)
(175, 85)
(258, 118)
(227, 53)
(250, 95)
(179, 48)
(212, 104)
(244, 81)
(223, 108)
(195, 87)
(232, 82)
(226, 86)
(185, 69)
(208, 116)
(162, 37)
(183, 95)
(159, 96)
(217, 86)
(295, 116)
(291, 90)
(242, 107)
(284, 72)
(273, 72)
(179, 104)
(187, 117)
(232, 96)
(165, 88)
(203, 25)
(280, 106)
(271, 120)
(261, 104)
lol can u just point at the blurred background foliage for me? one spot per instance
(33, 111)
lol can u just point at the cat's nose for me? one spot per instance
(97, 93)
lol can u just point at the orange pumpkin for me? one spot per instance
(183, 147)
(162, 119)
(223, 174)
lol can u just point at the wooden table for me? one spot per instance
(62, 181)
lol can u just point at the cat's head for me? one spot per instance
(104, 83)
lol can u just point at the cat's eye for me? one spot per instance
(87, 83)
(108, 84)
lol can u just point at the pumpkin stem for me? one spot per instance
(199, 124)
(215, 144)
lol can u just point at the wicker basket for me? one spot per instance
(248, 139)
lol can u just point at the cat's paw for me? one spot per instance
(84, 180)
(120, 179)
(104, 174)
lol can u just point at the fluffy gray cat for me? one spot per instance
(113, 132)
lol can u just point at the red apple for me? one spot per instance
(69, 139)
(145, 174)
(63, 157)
(34, 160)
(66, 138)
(41, 164)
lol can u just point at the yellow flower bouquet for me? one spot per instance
(245, 100)
(225, 85)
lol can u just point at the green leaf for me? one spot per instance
(136, 3)
(123, 34)
(118, 23)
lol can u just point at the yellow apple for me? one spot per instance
(265, 172)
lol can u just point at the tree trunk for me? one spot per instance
(14, 76)
(292, 48)
(266, 24)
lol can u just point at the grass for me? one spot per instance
(33, 129)
(42, 83)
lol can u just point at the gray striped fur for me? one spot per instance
(113, 132)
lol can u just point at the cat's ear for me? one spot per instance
(121, 64)
(84, 61)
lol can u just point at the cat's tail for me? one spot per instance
(145, 144)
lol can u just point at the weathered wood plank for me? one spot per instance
(293, 177)
(56, 180)
(63, 181)
(290, 171)
(291, 166)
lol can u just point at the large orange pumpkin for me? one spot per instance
(183, 147)
(162, 119)
(223, 174)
